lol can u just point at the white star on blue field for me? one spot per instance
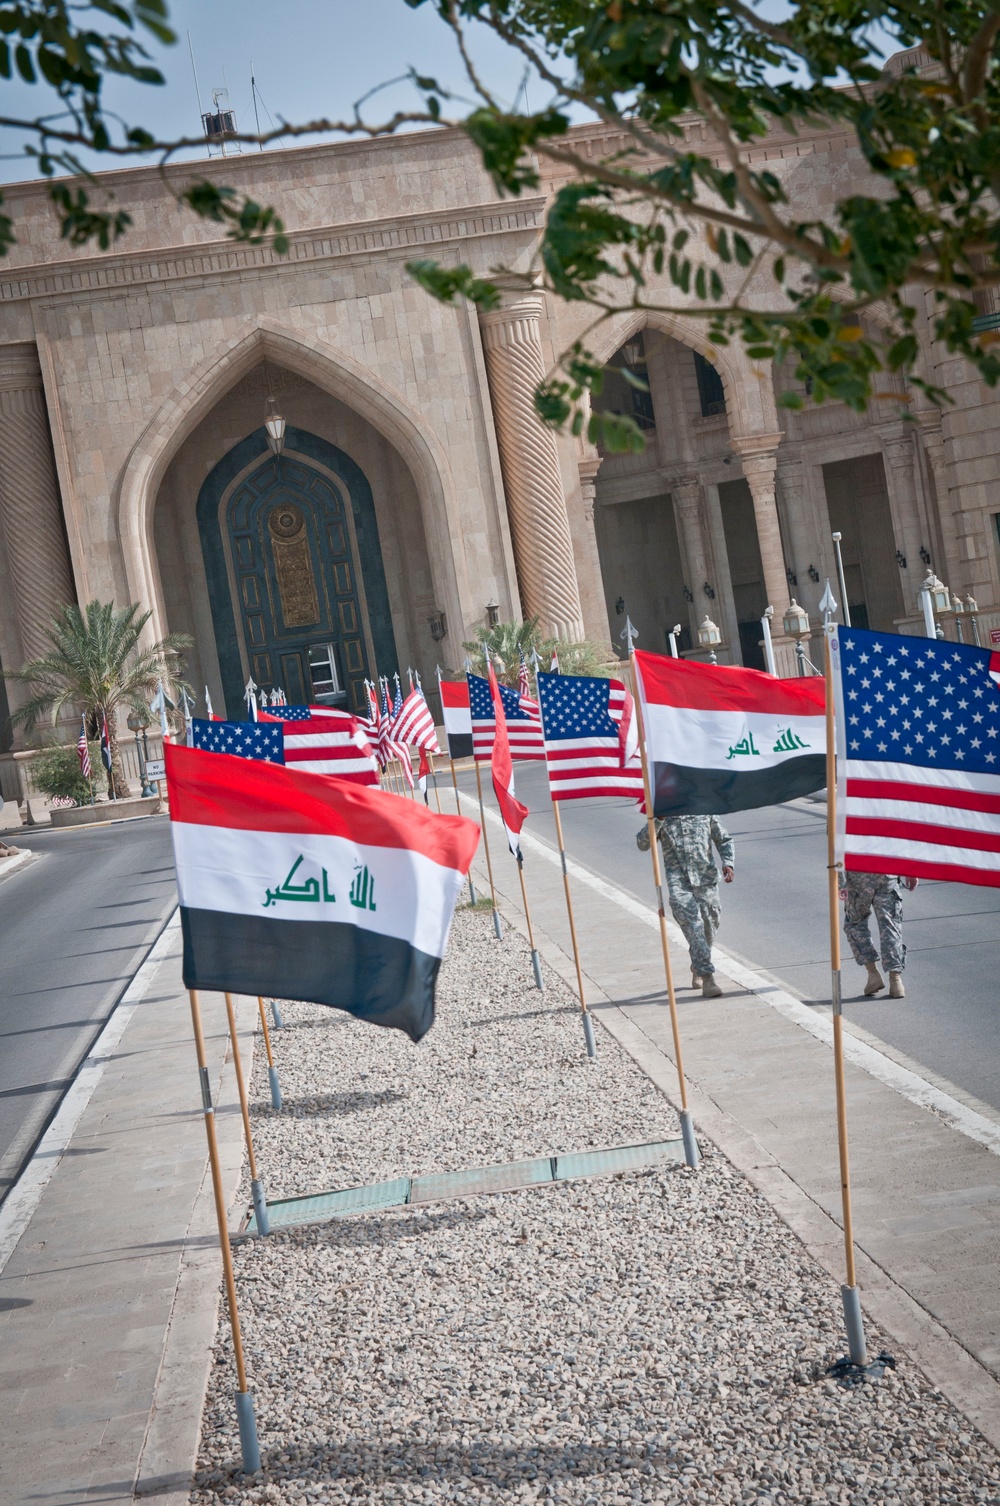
(917, 701)
(575, 706)
(261, 740)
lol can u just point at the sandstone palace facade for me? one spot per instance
(415, 488)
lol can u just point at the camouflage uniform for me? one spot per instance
(879, 892)
(692, 878)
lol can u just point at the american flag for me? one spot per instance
(590, 745)
(413, 724)
(524, 724)
(316, 745)
(82, 751)
(523, 688)
(262, 740)
(918, 729)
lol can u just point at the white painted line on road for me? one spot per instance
(909, 1085)
(25, 1195)
(12, 864)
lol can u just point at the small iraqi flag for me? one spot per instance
(304, 886)
(722, 739)
(457, 717)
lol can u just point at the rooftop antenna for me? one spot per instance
(256, 115)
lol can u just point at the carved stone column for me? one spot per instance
(904, 508)
(685, 493)
(30, 508)
(759, 455)
(529, 460)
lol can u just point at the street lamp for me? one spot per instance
(709, 637)
(137, 723)
(958, 607)
(934, 599)
(796, 624)
(274, 426)
(972, 607)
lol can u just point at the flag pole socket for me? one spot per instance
(537, 965)
(272, 1076)
(692, 1154)
(249, 1446)
(855, 1324)
(588, 1034)
(279, 1023)
(472, 893)
(497, 926)
(260, 1208)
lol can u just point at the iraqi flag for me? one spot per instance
(304, 886)
(722, 739)
(457, 717)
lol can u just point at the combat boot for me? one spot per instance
(709, 988)
(875, 980)
(896, 989)
(695, 979)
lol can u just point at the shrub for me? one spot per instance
(56, 773)
(508, 640)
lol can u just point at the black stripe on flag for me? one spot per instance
(680, 791)
(322, 962)
(459, 745)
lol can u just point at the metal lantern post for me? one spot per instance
(709, 637)
(840, 578)
(137, 723)
(672, 639)
(796, 624)
(935, 599)
(765, 624)
(972, 607)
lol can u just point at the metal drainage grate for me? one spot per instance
(542, 1171)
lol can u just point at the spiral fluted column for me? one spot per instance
(529, 460)
(30, 508)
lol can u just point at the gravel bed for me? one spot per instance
(654, 1337)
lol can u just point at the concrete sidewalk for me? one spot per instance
(926, 1195)
(108, 1302)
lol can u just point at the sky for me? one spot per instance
(310, 58)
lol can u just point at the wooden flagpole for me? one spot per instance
(853, 1319)
(691, 1153)
(588, 1024)
(249, 1446)
(272, 1071)
(256, 1185)
(434, 781)
(498, 928)
(536, 963)
(458, 809)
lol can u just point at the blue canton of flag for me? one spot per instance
(524, 731)
(918, 731)
(261, 740)
(289, 713)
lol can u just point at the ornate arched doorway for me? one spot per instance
(295, 572)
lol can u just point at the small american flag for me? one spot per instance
(524, 724)
(326, 744)
(523, 687)
(588, 747)
(82, 751)
(413, 724)
(918, 731)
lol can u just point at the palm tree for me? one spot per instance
(507, 641)
(98, 665)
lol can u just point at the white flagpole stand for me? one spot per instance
(765, 626)
(672, 639)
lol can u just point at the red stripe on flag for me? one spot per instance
(947, 873)
(922, 794)
(922, 831)
(218, 789)
(725, 687)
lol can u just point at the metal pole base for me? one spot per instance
(279, 1023)
(855, 1323)
(537, 965)
(472, 893)
(692, 1154)
(260, 1207)
(249, 1447)
(497, 924)
(272, 1074)
(588, 1034)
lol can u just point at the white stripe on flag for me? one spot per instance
(739, 741)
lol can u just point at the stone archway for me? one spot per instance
(334, 373)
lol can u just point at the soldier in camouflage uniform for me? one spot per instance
(862, 893)
(693, 885)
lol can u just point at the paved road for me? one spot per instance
(775, 918)
(74, 926)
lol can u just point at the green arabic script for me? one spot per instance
(744, 747)
(362, 893)
(789, 742)
(308, 892)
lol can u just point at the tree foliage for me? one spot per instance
(701, 211)
(98, 664)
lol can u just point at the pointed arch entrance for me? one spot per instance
(295, 573)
